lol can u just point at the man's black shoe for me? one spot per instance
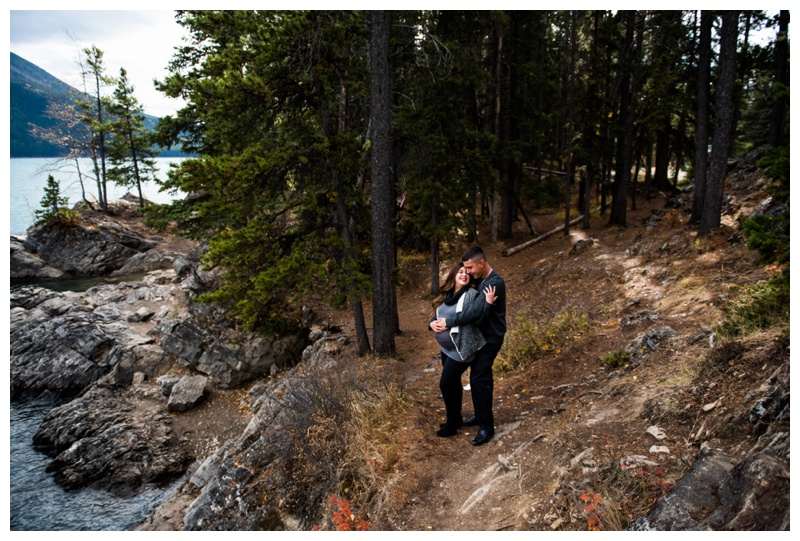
(483, 436)
(446, 431)
(471, 421)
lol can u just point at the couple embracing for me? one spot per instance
(470, 325)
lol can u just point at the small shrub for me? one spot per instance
(592, 501)
(672, 219)
(757, 307)
(616, 359)
(339, 438)
(54, 205)
(534, 336)
(344, 519)
(627, 495)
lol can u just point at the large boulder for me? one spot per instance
(229, 357)
(150, 260)
(187, 393)
(90, 249)
(27, 267)
(103, 440)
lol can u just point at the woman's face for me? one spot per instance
(462, 278)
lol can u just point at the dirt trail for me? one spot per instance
(565, 417)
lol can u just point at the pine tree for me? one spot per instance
(92, 106)
(53, 203)
(383, 200)
(130, 148)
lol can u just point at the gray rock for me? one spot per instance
(90, 249)
(62, 345)
(210, 466)
(167, 382)
(187, 393)
(717, 495)
(27, 267)
(229, 357)
(140, 315)
(150, 260)
(238, 496)
(692, 498)
(102, 440)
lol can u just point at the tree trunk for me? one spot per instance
(661, 176)
(619, 198)
(383, 205)
(343, 219)
(723, 127)
(353, 294)
(590, 171)
(497, 123)
(434, 261)
(701, 130)
(648, 174)
(570, 131)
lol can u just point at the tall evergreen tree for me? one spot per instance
(383, 197)
(777, 127)
(130, 148)
(723, 125)
(277, 113)
(92, 105)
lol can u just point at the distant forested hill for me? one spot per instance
(32, 89)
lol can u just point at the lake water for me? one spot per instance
(28, 178)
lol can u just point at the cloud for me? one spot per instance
(143, 42)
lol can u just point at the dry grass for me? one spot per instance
(340, 439)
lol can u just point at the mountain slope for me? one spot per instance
(32, 88)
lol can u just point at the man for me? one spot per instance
(491, 320)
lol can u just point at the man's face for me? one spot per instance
(474, 268)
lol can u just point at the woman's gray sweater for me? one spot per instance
(466, 339)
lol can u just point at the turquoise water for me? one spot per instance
(28, 177)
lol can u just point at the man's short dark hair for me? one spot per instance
(475, 252)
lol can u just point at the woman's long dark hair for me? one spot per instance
(449, 284)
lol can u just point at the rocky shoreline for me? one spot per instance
(128, 366)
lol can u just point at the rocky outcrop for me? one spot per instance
(230, 357)
(113, 440)
(96, 245)
(236, 494)
(90, 249)
(61, 343)
(150, 260)
(717, 494)
(27, 267)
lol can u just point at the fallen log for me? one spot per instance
(540, 238)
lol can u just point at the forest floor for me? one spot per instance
(575, 447)
(566, 425)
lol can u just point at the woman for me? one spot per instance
(459, 344)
